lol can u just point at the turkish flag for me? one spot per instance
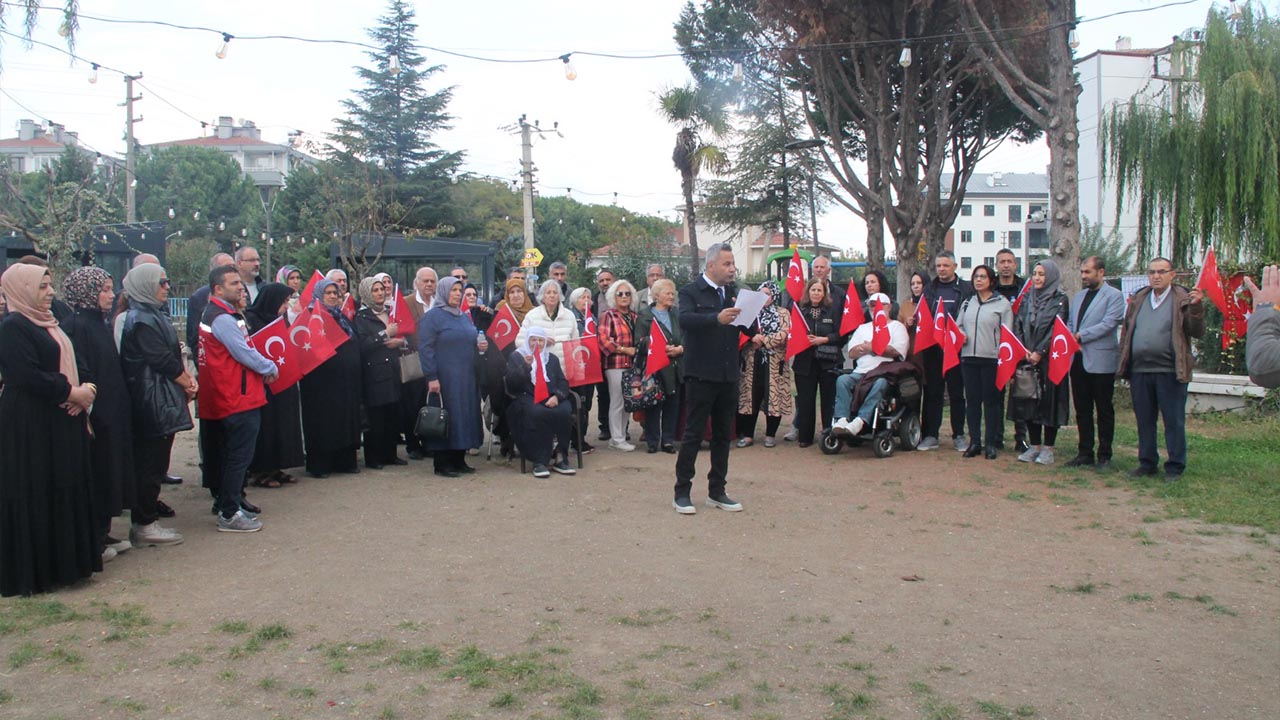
(465, 307)
(1060, 355)
(582, 361)
(1239, 308)
(1211, 282)
(348, 308)
(305, 299)
(926, 337)
(588, 322)
(400, 314)
(657, 357)
(1008, 363)
(798, 335)
(795, 277)
(504, 329)
(540, 391)
(309, 339)
(879, 329)
(272, 342)
(852, 316)
(952, 341)
(742, 341)
(1017, 302)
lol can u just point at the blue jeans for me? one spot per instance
(237, 437)
(844, 397)
(1162, 394)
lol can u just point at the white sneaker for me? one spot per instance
(622, 445)
(153, 534)
(1030, 455)
(840, 426)
(790, 436)
(855, 426)
(108, 554)
(1045, 457)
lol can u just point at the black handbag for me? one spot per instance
(1026, 382)
(433, 421)
(640, 392)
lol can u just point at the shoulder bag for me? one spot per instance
(410, 367)
(1026, 382)
(433, 421)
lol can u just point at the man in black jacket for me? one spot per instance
(710, 376)
(950, 291)
(1010, 286)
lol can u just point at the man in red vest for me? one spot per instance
(232, 376)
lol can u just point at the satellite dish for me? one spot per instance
(1036, 217)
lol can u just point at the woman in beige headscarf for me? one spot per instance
(47, 533)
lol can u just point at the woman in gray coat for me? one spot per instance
(980, 319)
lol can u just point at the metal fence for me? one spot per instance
(178, 307)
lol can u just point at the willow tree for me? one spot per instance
(1204, 160)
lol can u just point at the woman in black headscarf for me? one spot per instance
(331, 397)
(279, 444)
(89, 292)
(1034, 327)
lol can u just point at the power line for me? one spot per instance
(44, 117)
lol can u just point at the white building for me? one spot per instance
(266, 163)
(38, 147)
(1000, 210)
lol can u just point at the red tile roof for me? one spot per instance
(214, 141)
(17, 143)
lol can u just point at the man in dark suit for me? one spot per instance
(710, 376)
(1096, 313)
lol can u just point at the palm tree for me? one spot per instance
(694, 110)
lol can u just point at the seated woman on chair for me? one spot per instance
(537, 421)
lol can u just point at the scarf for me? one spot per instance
(22, 290)
(1045, 299)
(442, 296)
(266, 307)
(527, 351)
(283, 275)
(770, 323)
(141, 284)
(335, 312)
(366, 295)
(81, 288)
(521, 310)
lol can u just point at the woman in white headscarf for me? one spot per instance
(540, 411)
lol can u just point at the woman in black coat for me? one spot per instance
(279, 444)
(89, 292)
(1034, 327)
(660, 421)
(48, 536)
(331, 397)
(815, 368)
(538, 424)
(380, 344)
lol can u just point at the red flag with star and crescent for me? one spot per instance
(852, 316)
(588, 322)
(798, 333)
(926, 335)
(273, 342)
(1239, 307)
(504, 328)
(1007, 364)
(657, 355)
(1062, 347)
(795, 277)
(1210, 281)
(305, 298)
(540, 390)
(1017, 302)
(400, 314)
(310, 339)
(349, 308)
(879, 329)
(582, 361)
(952, 341)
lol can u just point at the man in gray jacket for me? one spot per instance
(1263, 349)
(1096, 314)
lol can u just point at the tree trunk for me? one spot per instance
(686, 186)
(1063, 135)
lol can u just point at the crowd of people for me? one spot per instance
(96, 387)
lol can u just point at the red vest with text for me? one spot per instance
(226, 386)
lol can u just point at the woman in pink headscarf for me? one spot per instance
(47, 535)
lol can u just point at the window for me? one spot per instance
(989, 210)
(966, 263)
(966, 210)
(966, 236)
(1038, 239)
(988, 236)
(1015, 213)
(1015, 239)
(989, 261)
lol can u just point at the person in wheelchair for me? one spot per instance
(859, 350)
(537, 425)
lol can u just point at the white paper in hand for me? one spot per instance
(750, 302)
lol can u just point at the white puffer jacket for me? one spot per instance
(564, 327)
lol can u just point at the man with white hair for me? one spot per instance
(652, 274)
(860, 350)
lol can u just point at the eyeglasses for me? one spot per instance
(622, 294)
(460, 277)
(164, 282)
(1159, 272)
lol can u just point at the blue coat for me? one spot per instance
(1099, 329)
(447, 350)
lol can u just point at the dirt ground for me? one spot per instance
(919, 586)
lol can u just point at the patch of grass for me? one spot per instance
(919, 688)
(125, 621)
(995, 710)
(227, 675)
(845, 703)
(1151, 518)
(25, 654)
(269, 683)
(127, 704)
(1063, 499)
(702, 682)
(936, 710)
(275, 631)
(706, 614)
(1143, 537)
(1174, 595)
(647, 618)
(423, 658)
(845, 639)
(1138, 597)
(388, 713)
(663, 650)
(232, 627)
(62, 656)
(1025, 711)
(1018, 497)
(505, 700)
(302, 693)
(25, 614)
(1223, 610)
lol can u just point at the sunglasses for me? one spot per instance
(460, 277)
(164, 282)
(623, 294)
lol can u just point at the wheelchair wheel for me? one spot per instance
(909, 431)
(883, 445)
(829, 443)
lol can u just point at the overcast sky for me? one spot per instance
(614, 140)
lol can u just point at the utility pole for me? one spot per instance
(526, 130)
(130, 154)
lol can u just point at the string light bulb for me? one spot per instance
(570, 72)
(65, 28)
(394, 64)
(904, 59)
(93, 74)
(737, 72)
(1072, 40)
(222, 51)
(171, 213)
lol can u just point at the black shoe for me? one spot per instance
(684, 506)
(415, 455)
(724, 502)
(1103, 466)
(1021, 446)
(398, 461)
(603, 436)
(318, 475)
(990, 453)
(973, 451)
(448, 473)
(541, 471)
(464, 469)
(587, 447)
(373, 466)
(170, 480)
(1172, 475)
(245, 504)
(652, 449)
(163, 509)
(1000, 444)
(669, 448)
(1078, 461)
(803, 444)
(1142, 471)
